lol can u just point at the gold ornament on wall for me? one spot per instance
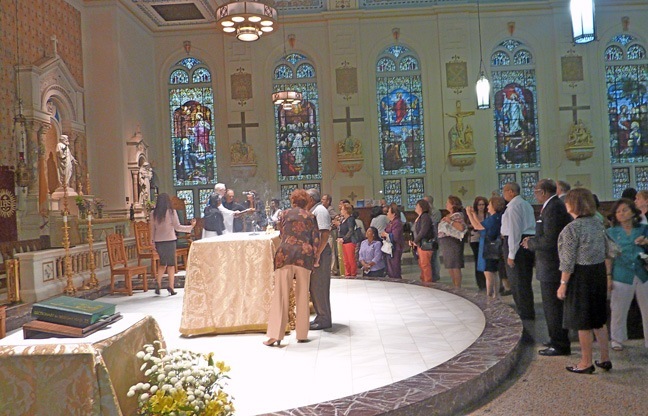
(346, 80)
(244, 163)
(349, 155)
(580, 145)
(571, 66)
(462, 149)
(456, 74)
(241, 85)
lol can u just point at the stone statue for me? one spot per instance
(145, 176)
(65, 161)
(579, 135)
(242, 154)
(460, 137)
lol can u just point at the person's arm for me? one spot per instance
(474, 221)
(175, 221)
(458, 223)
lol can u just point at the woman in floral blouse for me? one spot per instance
(294, 258)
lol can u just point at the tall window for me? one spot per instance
(297, 129)
(191, 109)
(517, 139)
(399, 95)
(626, 77)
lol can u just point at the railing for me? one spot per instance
(42, 273)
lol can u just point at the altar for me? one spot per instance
(229, 283)
(73, 376)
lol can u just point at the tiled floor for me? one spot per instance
(383, 332)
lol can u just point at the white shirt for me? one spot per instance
(323, 217)
(518, 219)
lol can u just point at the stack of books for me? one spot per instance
(69, 317)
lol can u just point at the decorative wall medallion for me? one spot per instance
(349, 155)
(7, 203)
(243, 159)
(241, 84)
(580, 145)
(456, 75)
(48, 271)
(346, 80)
(572, 68)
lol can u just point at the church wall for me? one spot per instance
(38, 21)
(120, 98)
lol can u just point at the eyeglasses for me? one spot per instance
(536, 191)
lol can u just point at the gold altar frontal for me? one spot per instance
(229, 283)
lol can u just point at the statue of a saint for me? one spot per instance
(65, 161)
(145, 176)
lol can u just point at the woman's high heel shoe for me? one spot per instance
(271, 342)
(586, 370)
(171, 291)
(605, 365)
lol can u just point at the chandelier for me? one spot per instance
(286, 99)
(247, 19)
(582, 15)
(483, 85)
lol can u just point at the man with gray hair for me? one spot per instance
(562, 188)
(320, 283)
(228, 215)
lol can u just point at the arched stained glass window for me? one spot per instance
(297, 127)
(516, 118)
(400, 112)
(193, 144)
(626, 77)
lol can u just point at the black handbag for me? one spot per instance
(429, 244)
(492, 249)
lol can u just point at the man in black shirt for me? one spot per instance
(232, 205)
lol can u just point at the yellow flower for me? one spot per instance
(222, 367)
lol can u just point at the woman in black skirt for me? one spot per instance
(583, 283)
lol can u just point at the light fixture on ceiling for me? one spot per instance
(247, 19)
(287, 99)
(582, 16)
(483, 85)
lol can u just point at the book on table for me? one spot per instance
(71, 311)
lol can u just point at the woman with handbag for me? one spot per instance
(371, 256)
(627, 277)
(490, 243)
(347, 229)
(423, 239)
(452, 229)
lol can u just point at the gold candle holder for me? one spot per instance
(269, 227)
(69, 288)
(94, 282)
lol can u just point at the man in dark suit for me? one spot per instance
(553, 218)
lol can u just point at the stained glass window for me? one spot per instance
(204, 195)
(315, 185)
(626, 75)
(641, 175)
(286, 190)
(392, 191)
(400, 112)
(415, 191)
(187, 196)
(620, 181)
(529, 181)
(191, 116)
(504, 178)
(516, 116)
(297, 126)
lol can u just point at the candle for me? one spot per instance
(65, 219)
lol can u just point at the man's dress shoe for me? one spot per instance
(553, 352)
(314, 326)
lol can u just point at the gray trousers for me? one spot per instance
(320, 289)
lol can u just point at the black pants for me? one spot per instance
(520, 277)
(553, 310)
(480, 278)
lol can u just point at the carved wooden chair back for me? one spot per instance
(116, 251)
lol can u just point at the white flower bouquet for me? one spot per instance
(181, 383)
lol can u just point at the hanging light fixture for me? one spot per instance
(247, 19)
(483, 85)
(287, 98)
(582, 15)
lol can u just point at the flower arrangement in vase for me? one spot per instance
(181, 382)
(83, 205)
(99, 206)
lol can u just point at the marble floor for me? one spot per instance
(383, 332)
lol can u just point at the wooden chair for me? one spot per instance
(144, 248)
(119, 265)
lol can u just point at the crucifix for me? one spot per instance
(348, 120)
(574, 109)
(243, 125)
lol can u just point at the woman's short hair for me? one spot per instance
(455, 201)
(394, 209)
(581, 202)
(425, 205)
(499, 203)
(636, 217)
(299, 198)
(348, 208)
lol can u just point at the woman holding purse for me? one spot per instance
(423, 230)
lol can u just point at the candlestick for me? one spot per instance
(69, 287)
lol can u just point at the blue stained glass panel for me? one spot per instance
(529, 181)
(392, 191)
(622, 39)
(641, 177)
(522, 58)
(179, 76)
(409, 63)
(201, 75)
(613, 53)
(510, 44)
(397, 50)
(627, 94)
(283, 72)
(500, 59)
(286, 190)
(516, 119)
(187, 195)
(192, 136)
(293, 58)
(188, 62)
(305, 71)
(636, 52)
(386, 65)
(504, 178)
(314, 185)
(415, 191)
(204, 195)
(620, 181)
